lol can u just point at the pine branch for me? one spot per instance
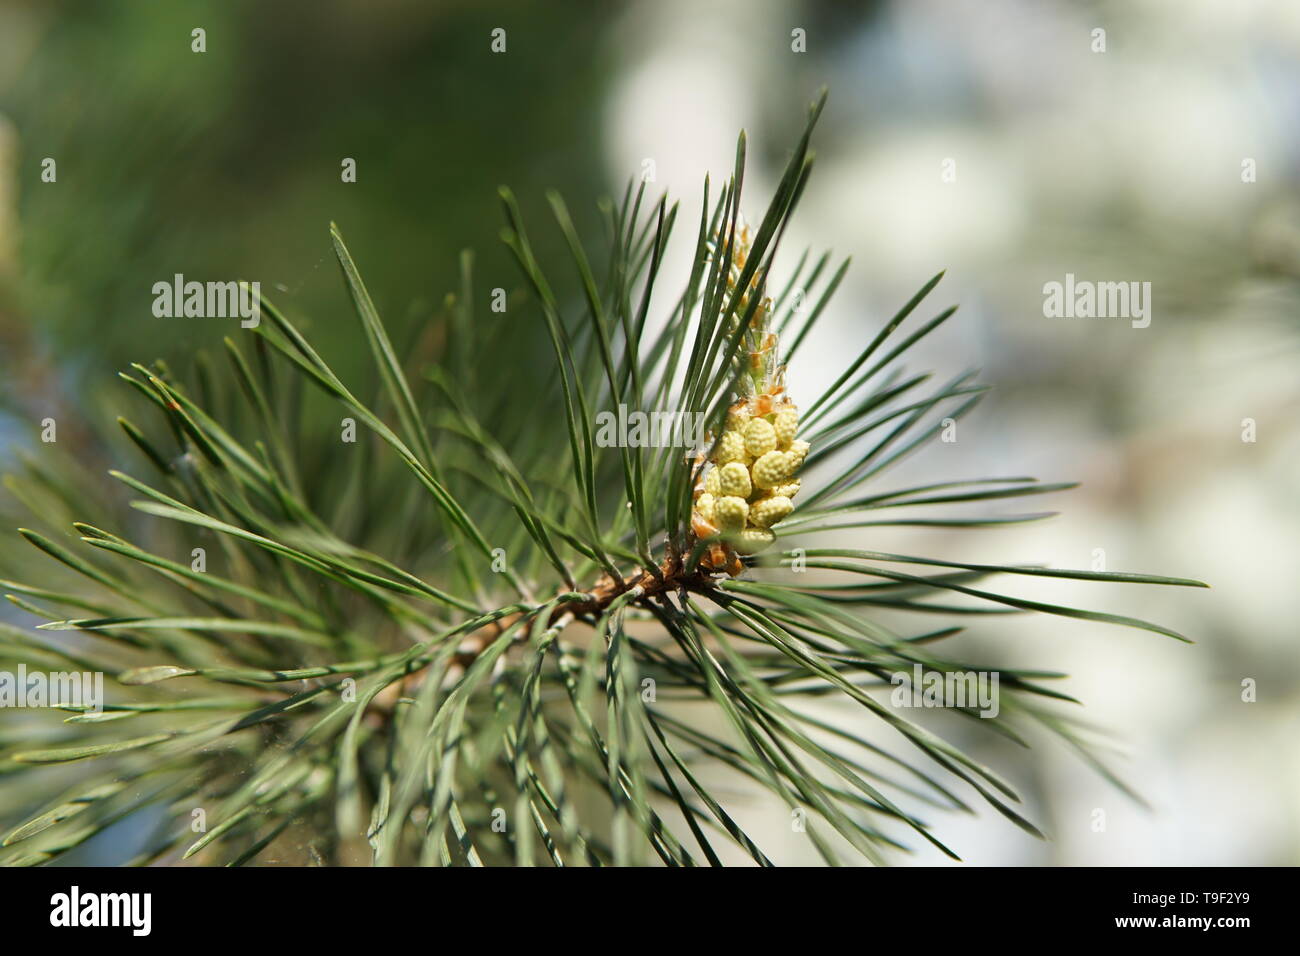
(465, 638)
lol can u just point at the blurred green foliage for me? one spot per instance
(227, 163)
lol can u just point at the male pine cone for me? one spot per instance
(749, 480)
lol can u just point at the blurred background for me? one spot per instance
(994, 140)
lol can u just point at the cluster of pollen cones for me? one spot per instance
(748, 482)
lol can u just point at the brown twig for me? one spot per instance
(671, 575)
